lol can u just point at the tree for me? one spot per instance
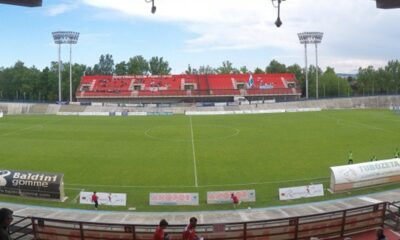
(47, 85)
(78, 70)
(189, 70)
(244, 69)
(105, 65)
(121, 68)
(227, 68)
(312, 81)
(258, 71)
(331, 85)
(275, 67)
(137, 65)
(366, 80)
(89, 71)
(393, 69)
(204, 70)
(158, 66)
(296, 70)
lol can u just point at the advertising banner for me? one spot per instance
(308, 191)
(32, 184)
(110, 199)
(1, 114)
(225, 196)
(364, 174)
(174, 199)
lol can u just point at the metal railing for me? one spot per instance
(21, 228)
(392, 216)
(325, 225)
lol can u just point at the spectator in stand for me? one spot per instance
(190, 230)
(235, 200)
(95, 200)
(380, 235)
(159, 234)
(6, 217)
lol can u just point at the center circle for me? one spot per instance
(184, 133)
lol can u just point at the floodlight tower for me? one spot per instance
(70, 38)
(315, 38)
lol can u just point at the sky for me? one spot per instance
(203, 32)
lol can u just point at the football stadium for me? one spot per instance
(225, 153)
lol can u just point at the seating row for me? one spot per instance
(188, 85)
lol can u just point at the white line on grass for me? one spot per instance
(75, 200)
(194, 154)
(237, 131)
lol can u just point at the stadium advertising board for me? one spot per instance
(315, 190)
(225, 196)
(32, 184)
(366, 174)
(1, 114)
(174, 199)
(110, 199)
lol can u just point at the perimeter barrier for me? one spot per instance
(337, 224)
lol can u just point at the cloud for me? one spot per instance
(61, 8)
(356, 32)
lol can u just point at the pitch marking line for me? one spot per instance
(194, 154)
(75, 200)
(147, 133)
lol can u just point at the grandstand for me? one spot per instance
(188, 88)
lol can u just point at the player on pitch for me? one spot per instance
(95, 200)
(350, 161)
(235, 200)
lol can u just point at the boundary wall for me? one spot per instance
(329, 225)
(376, 102)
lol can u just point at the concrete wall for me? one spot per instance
(338, 103)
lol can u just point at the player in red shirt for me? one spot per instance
(235, 200)
(95, 199)
(190, 230)
(159, 234)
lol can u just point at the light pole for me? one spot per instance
(315, 38)
(70, 38)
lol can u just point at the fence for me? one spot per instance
(325, 225)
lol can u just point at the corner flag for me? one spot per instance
(250, 82)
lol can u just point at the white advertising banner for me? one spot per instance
(111, 199)
(315, 190)
(1, 114)
(174, 199)
(365, 174)
(225, 196)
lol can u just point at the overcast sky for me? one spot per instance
(201, 32)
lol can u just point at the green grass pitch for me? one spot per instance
(139, 155)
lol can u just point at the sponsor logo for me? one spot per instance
(3, 174)
(27, 179)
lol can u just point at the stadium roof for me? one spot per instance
(386, 4)
(26, 3)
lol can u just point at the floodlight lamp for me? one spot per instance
(310, 37)
(278, 22)
(68, 37)
(153, 8)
